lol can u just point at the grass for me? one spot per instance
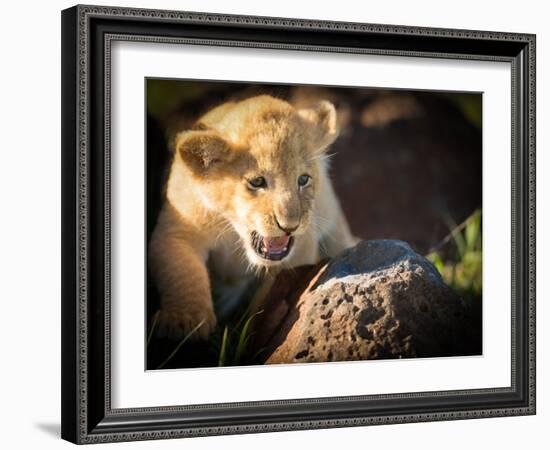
(230, 345)
(459, 257)
(180, 344)
(233, 346)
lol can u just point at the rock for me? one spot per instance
(377, 300)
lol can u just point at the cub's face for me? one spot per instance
(260, 169)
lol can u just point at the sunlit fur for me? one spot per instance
(211, 210)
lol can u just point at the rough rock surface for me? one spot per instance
(377, 300)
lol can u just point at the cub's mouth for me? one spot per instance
(272, 248)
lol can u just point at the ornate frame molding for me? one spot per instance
(80, 418)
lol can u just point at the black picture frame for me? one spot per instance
(87, 415)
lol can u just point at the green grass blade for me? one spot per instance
(242, 318)
(436, 260)
(244, 338)
(462, 270)
(457, 236)
(222, 358)
(153, 326)
(258, 353)
(183, 341)
(473, 231)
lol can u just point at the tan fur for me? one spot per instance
(210, 210)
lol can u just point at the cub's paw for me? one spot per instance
(176, 323)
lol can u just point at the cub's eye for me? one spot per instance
(257, 183)
(303, 180)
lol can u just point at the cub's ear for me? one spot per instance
(203, 151)
(322, 119)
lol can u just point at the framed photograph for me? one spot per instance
(282, 224)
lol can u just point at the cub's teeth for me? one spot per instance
(264, 250)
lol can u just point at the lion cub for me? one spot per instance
(248, 188)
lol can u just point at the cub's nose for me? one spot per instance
(288, 226)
